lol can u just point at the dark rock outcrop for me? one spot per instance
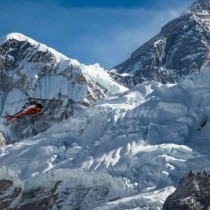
(193, 193)
(2, 140)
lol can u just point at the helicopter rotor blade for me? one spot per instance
(31, 98)
(14, 102)
(43, 99)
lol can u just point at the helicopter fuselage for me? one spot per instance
(30, 110)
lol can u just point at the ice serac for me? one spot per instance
(31, 69)
(181, 47)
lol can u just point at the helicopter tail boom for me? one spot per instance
(9, 118)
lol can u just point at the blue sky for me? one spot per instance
(91, 31)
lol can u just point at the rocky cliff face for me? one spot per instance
(193, 193)
(182, 47)
(62, 85)
(2, 140)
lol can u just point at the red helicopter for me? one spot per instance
(30, 108)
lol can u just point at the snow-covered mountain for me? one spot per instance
(31, 69)
(182, 47)
(99, 145)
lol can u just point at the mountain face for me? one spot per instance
(62, 85)
(182, 47)
(193, 193)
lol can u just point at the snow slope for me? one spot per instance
(148, 137)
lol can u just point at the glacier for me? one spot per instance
(146, 137)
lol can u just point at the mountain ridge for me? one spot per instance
(23, 38)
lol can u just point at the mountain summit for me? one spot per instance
(182, 47)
